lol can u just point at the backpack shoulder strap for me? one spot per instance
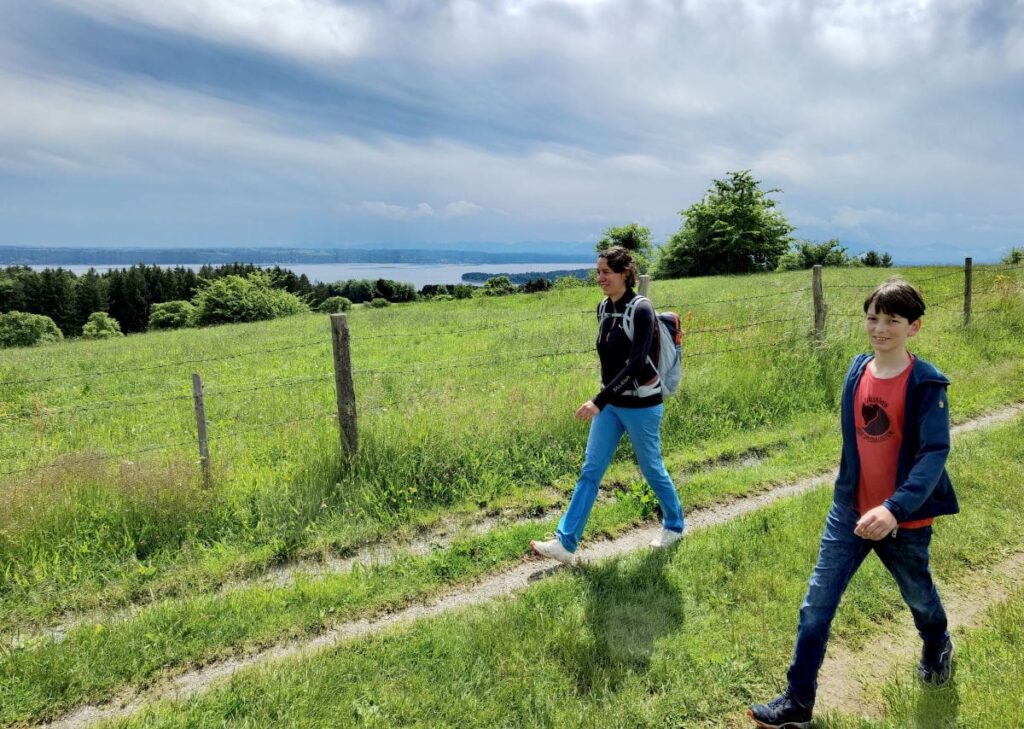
(630, 313)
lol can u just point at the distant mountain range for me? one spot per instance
(474, 253)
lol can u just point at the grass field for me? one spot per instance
(685, 639)
(465, 409)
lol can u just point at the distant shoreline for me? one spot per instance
(36, 256)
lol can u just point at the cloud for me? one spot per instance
(457, 209)
(304, 29)
(512, 119)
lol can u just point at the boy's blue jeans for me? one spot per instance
(840, 554)
(606, 429)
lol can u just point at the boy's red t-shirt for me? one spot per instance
(878, 412)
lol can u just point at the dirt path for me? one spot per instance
(506, 583)
(850, 682)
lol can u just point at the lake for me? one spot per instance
(415, 274)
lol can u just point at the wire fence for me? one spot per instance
(528, 362)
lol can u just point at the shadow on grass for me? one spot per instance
(630, 604)
(937, 708)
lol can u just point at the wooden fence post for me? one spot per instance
(346, 391)
(204, 444)
(819, 305)
(645, 282)
(968, 287)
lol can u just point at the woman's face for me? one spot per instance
(612, 284)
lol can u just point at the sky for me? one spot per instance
(892, 125)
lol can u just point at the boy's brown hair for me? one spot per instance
(896, 297)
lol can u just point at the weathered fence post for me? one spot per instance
(819, 305)
(968, 286)
(343, 383)
(645, 282)
(204, 444)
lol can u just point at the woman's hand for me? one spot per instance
(587, 410)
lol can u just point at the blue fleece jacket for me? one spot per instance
(923, 488)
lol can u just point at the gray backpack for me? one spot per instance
(670, 335)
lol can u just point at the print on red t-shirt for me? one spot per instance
(878, 411)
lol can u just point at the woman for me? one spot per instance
(623, 405)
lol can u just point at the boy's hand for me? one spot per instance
(876, 524)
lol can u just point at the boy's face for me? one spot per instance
(888, 332)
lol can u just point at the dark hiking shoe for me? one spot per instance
(936, 663)
(782, 712)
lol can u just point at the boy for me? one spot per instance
(892, 481)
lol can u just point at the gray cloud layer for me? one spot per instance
(307, 122)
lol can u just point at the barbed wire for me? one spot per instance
(267, 385)
(684, 305)
(98, 457)
(462, 362)
(488, 326)
(955, 272)
(100, 405)
(214, 426)
(733, 327)
(163, 365)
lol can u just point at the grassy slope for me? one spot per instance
(464, 437)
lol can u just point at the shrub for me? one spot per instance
(379, 303)
(18, 329)
(1015, 256)
(101, 325)
(172, 315)
(790, 262)
(249, 298)
(334, 305)
(444, 297)
(498, 286)
(535, 285)
(568, 282)
(463, 291)
(873, 260)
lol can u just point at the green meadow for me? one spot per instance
(464, 411)
(686, 639)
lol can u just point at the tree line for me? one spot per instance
(128, 295)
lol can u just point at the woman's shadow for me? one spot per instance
(630, 604)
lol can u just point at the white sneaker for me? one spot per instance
(666, 538)
(552, 549)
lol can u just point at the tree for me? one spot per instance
(19, 329)
(101, 326)
(1015, 256)
(873, 260)
(735, 228)
(633, 237)
(250, 298)
(807, 254)
(359, 291)
(55, 298)
(498, 286)
(129, 299)
(90, 296)
(172, 315)
(334, 305)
